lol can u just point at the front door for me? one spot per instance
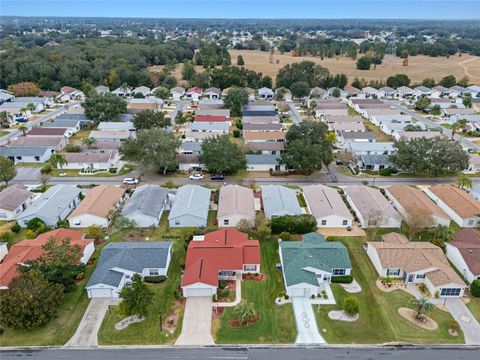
(410, 278)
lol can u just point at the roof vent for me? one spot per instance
(198, 238)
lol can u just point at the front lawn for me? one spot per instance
(379, 320)
(276, 324)
(59, 330)
(474, 307)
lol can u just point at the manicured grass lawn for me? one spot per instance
(474, 307)
(3, 133)
(79, 136)
(276, 324)
(379, 134)
(59, 330)
(148, 331)
(379, 320)
(212, 218)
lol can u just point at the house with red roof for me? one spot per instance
(218, 255)
(28, 250)
(464, 253)
(213, 118)
(193, 93)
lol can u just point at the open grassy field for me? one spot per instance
(379, 321)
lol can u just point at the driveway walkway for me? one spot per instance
(470, 326)
(307, 330)
(197, 322)
(86, 334)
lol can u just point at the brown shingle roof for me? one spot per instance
(236, 199)
(457, 199)
(99, 201)
(467, 241)
(47, 131)
(274, 135)
(13, 196)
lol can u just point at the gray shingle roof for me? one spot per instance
(59, 123)
(132, 256)
(146, 199)
(279, 200)
(23, 150)
(191, 200)
(312, 252)
(262, 159)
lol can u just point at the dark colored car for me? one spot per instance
(217, 177)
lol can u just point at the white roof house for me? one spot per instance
(368, 148)
(279, 201)
(144, 90)
(190, 207)
(116, 126)
(235, 203)
(327, 206)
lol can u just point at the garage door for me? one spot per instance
(198, 292)
(297, 292)
(100, 293)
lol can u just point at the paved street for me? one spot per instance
(244, 353)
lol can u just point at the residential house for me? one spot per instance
(474, 90)
(279, 200)
(415, 262)
(3, 250)
(27, 250)
(328, 108)
(473, 163)
(317, 93)
(122, 91)
(56, 143)
(327, 206)
(211, 103)
(212, 93)
(386, 92)
(343, 94)
(235, 203)
(260, 120)
(119, 261)
(455, 114)
(212, 119)
(404, 92)
(461, 207)
(446, 103)
(343, 137)
(270, 136)
(71, 126)
(110, 136)
(193, 93)
(51, 206)
(68, 93)
(145, 91)
(411, 202)
(420, 91)
(347, 127)
(13, 200)
(177, 92)
(116, 126)
(189, 162)
(371, 92)
(396, 118)
(96, 207)
(266, 93)
(249, 127)
(456, 91)
(352, 93)
(409, 135)
(49, 132)
(343, 119)
(5, 96)
(224, 254)
(146, 205)
(439, 92)
(308, 266)
(371, 207)
(27, 154)
(135, 106)
(213, 112)
(259, 107)
(209, 127)
(190, 147)
(370, 148)
(92, 160)
(190, 207)
(391, 128)
(267, 148)
(373, 162)
(260, 113)
(464, 253)
(356, 103)
(263, 162)
(102, 90)
(373, 114)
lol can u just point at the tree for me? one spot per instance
(351, 305)
(234, 100)
(433, 157)
(24, 89)
(7, 169)
(374, 220)
(162, 92)
(148, 119)
(124, 223)
(336, 93)
(294, 224)
(464, 81)
(240, 61)
(29, 301)
(423, 103)
(448, 81)
(263, 232)
(300, 89)
(5, 119)
(413, 127)
(428, 82)
(417, 219)
(57, 160)
(220, 155)
(421, 307)
(153, 149)
(467, 100)
(443, 233)
(436, 110)
(104, 107)
(464, 181)
(23, 129)
(95, 232)
(398, 80)
(364, 63)
(475, 288)
(136, 298)
(89, 141)
(188, 71)
(308, 148)
(304, 71)
(245, 313)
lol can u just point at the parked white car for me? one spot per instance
(196, 177)
(130, 181)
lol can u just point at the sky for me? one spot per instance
(318, 9)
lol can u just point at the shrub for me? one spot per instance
(35, 224)
(70, 148)
(475, 288)
(454, 326)
(343, 279)
(222, 284)
(178, 295)
(236, 133)
(294, 224)
(281, 294)
(16, 228)
(112, 170)
(223, 293)
(46, 169)
(7, 237)
(30, 234)
(169, 185)
(385, 172)
(351, 306)
(63, 224)
(155, 279)
(285, 235)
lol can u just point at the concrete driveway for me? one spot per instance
(86, 334)
(197, 322)
(28, 174)
(307, 330)
(470, 326)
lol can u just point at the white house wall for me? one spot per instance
(456, 258)
(85, 220)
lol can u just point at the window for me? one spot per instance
(393, 272)
(470, 222)
(37, 158)
(177, 222)
(225, 222)
(250, 267)
(450, 292)
(153, 272)
(338, 272)
(345, 222)
(324, 222)
(420, 276)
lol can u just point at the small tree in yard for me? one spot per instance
(417, 219)
(374, 221)
(351, 305)
(421, 307)
(234, 100)
(58, 160)
(475, 288)
(29, 301)
(294, 224)
(137, 298)
(7, 169)
(95, 232)
(264, 232)
(220, 155)
(245, 313)
(464, 181)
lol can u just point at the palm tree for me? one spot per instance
(464, 181)
(421, 307)
(444, 233)
(23, 129)
(89, 142)
(58, 159)
(245, 313)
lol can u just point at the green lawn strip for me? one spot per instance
(59, 330)
(148, 331)
(3, 133)
(379, 320)
(212, 218)
(276, 324)
(474, 307)
(379, 134)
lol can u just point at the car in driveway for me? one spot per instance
(217, 177)
(196, 177)
(130, 181)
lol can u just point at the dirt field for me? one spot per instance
(419, 68)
